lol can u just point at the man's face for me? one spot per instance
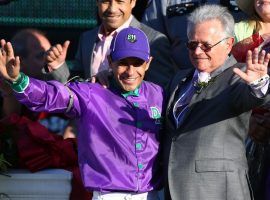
(34, 62)
(207, 34)
(114, 13)
(129, 72)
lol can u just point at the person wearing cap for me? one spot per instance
(208, 112)
(94, 46)
(119, 127)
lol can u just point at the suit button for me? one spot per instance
(138, 146)
(136, 104)
(140, 166)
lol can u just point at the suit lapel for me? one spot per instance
(170, 104)
(90, 44)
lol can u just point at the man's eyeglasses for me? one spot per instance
(192, 45)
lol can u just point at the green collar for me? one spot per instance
(131, 93)
(125, 94)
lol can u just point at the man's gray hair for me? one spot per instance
(211, 12)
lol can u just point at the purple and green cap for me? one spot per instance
(130, 42)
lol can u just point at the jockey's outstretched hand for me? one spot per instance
(9, 64)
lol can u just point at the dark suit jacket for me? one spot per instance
(205, 157)
(160, 71)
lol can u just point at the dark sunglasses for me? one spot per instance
(192, 45)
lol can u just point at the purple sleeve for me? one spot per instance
(51, 96)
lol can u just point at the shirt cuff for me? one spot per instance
(20, 84)
(260, 86)
(49, 69)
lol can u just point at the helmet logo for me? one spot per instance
(131, 38)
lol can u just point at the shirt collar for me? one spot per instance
(125, 94)
(131, 93)
(229, 62)
(101, 33)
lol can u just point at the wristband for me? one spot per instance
(259, 82)
(20, 84)
(12, 82)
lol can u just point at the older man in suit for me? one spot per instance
(93, 49)
(166, 15)
(208, 112)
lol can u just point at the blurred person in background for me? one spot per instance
(255, 30)
(31, 45)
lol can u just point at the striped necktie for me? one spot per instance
(181, 105)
